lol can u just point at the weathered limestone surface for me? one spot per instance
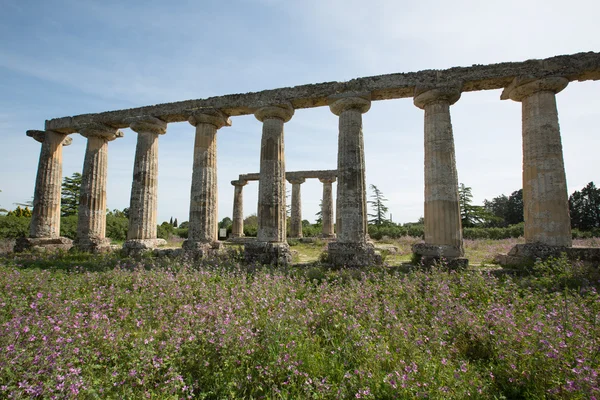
(143, 206)
(443, 231)
(270, 246)
(327, 208)
(352, 247)
(545, 197)
(91, 223)
(575, 67)
(203, 222)
(296, 218)
(237, 229)
(44, 230)
(312, 174)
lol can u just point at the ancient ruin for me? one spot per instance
(534, 83)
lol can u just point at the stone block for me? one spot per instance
(271, 253)
(43, 244)
(353, 255)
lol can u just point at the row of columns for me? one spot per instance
(544, 183)
(237, 230)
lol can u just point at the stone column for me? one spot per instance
(545, 196)
(44, 230)
(91, 223)
(203, 222)
(352, 247)
(143, 206)
(443, 230)
(327, 208)
(271, 246)
(237, 229)
(296, 219)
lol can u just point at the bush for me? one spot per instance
(116, 227)
(68, 226)
(12, 227)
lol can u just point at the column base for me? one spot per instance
(430, 254)
(93, 245)
(353, 254)
(133, 246)
(43, 244)
(201, 249)
(525, 255)
(272, 253)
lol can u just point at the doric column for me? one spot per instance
(203, 222)
(352, 247)
(44, 230)
(237, 229)
(443, 231)
(91, 223)
(545, 196)
(296, 219)
(143, 206)
(270, 245)
(327, 207)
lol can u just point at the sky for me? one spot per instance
(67, 57)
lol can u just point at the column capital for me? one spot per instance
(103, 131)
(40, 136)
(239, 183)
(338, 105)
(283, 111)
(328, 180)
(210, 116)
(149, 124)
(296, 181)
(426, 95)
(520, 87)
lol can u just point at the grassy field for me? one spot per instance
(80, 326)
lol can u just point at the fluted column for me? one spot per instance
(296, 218)
(327, 208)
(44, 230)
(237, 229)
(443, 230)
(143, 206)
(270, 245)
(203, 221)
(545, 196)
(91, 222)
(352, 247)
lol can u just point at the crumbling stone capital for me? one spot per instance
(328, 179)
(40, 136)
(520, 88)
(427, 95)
(210, 116)
(296, 181)
(99, 130)
(339, 105)
(149, 124)
(240, 183)
(283, 111)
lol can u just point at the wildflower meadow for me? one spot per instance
(114, 329)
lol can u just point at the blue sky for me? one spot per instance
(60, 58)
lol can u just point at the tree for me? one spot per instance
(69, 201)
(584, 206)
(226, 223)
(505, 210)
(514, 208)
(379, 208)
(470, 214)
(319, 214)
(175, 223)
(3, 210)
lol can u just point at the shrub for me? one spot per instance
(12, 227)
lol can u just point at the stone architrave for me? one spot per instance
(352, 248)
(270, 246)
(143, 206)
(296, 218)
(327, 208)
(545, 196)
(203, 221)
(237, 229)
(44, 231)
(91, 223)
(443, 230)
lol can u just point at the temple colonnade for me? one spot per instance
(533, 83)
